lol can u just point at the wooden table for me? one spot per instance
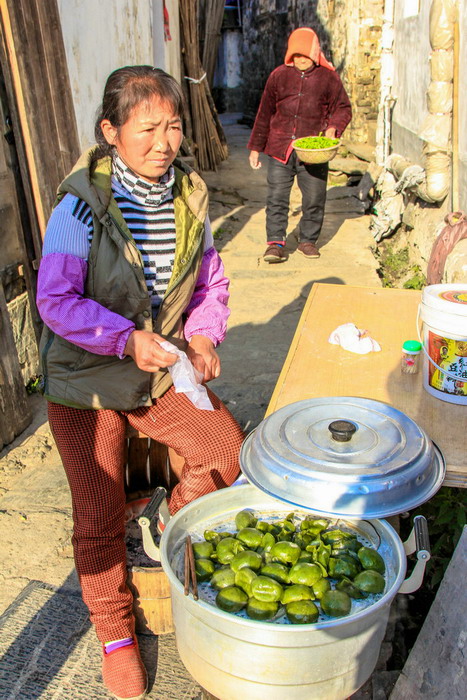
(314, 367)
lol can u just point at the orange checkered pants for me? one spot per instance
(91, 445)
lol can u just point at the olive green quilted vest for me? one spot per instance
(115, 279)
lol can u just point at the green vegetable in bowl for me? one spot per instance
(304, 573)
(336, 603)
(227, 548)
(314, 142)
(279, 572)
(343, 565)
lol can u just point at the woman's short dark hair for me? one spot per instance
(128, 87)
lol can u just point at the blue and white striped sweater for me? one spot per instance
(70, 231)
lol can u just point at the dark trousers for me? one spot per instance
(312, 180)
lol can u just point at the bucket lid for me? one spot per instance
(343, 456)
(450, 298)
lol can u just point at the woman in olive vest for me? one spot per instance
(129, 262)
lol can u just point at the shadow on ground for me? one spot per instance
(50, 651)
(252, 357)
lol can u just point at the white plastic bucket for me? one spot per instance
(443, 312)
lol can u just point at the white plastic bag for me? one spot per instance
(387, 213)
(187, 379)
(353, 339)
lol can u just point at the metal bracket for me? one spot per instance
(156, 506)
(149, 546)
(418, 541)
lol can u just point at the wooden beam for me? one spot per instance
(20, 101)
(42, 94)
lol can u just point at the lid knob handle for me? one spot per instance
(342, 430)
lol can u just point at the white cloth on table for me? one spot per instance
(353, 339)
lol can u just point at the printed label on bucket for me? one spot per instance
(456, 296)
(450, 355)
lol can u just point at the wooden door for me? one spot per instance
(39, 145)
(16, 285)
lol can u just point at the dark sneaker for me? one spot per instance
(308, 249)
(275, 254)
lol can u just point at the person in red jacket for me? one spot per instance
(303, 97)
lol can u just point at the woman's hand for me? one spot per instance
(203, 357)
(254, 160)
(330, 133)
(144, 348)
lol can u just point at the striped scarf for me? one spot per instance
(149, 213)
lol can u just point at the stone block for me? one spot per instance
(436, 666)
(351, 166)
(361, 150)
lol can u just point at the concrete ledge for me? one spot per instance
(436, 669)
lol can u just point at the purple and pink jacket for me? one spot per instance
(93, 327)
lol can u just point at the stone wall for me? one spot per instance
(264, 41)
(349, 32)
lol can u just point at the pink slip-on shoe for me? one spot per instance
(124, 674)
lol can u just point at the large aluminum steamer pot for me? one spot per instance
(233, 658)
(351, 459)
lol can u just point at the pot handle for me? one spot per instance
(156, 506)
(418, 541)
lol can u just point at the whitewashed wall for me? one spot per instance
(228, 69)
(411, 80)
(102, 36)
(171, 49)
(411, 76)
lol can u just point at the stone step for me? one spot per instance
(360, 150)
(350, 166)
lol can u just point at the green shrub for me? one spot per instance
(446, 517)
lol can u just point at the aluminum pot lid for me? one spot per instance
(343, 456)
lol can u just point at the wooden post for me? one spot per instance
(41, 92)
(455, 119)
